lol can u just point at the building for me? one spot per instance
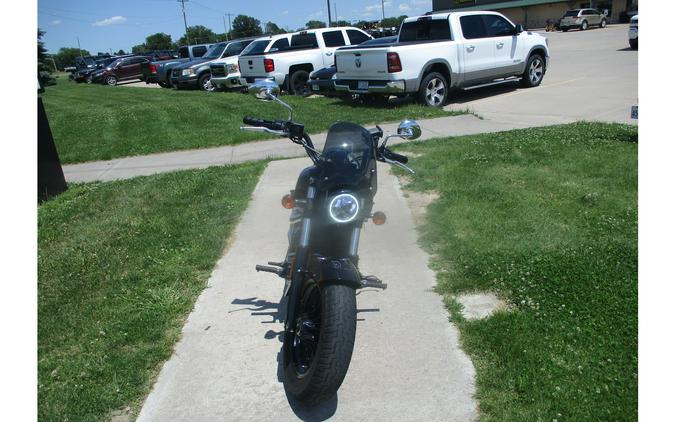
(535, 13)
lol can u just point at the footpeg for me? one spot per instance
(374, 282)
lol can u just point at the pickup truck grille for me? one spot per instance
(218, 70)
(175, 72)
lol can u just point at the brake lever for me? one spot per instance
(264, 129)
(399, 164)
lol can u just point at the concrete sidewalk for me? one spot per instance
(406, 366)
(128, 167)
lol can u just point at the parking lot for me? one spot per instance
(592, 75)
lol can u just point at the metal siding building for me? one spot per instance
(535, 13)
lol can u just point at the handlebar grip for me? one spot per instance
(252, 121)
(396, 157)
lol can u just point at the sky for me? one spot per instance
(120, 24)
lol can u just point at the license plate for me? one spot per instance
(363, 85)
(315, 87)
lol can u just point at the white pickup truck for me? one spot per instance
(441, 51)
(308, 51)
(225, 72)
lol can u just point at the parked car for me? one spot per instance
(197, 73)
(84, 75)
(321, 81)
(434, 53)
(309, 50)
(582, 19)
(633, 32)
(225, 72)
(124, 69)
(158, 55)
(162, 71)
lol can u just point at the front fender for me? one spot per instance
(334, 271)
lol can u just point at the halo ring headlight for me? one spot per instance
(343, 208)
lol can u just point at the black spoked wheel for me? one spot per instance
(318, 353)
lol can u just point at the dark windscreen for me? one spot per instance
(571, 13)
(425, 30)
(256, 47)
(215, 51)
(348, 148)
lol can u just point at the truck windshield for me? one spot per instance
(256, 47)
(215, 51)
(425, 29)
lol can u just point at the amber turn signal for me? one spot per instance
(379, 218)
(287, 201)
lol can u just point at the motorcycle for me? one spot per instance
(331, 201)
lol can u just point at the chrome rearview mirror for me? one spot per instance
(264, 89)
(268, 90)
(409, 129)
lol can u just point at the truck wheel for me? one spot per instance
(534, 71)
(110, 80)
(433, 90)
(299, 83)
(584, 26)
(205, 83)
(164, 84)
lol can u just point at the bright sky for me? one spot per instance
(102, 26)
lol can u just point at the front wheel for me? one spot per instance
(205, 83)
(534, 71)
(111, 80)
(299, 83)
(584, 25)
(603, 23)
(318, 353)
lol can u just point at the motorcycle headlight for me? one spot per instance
(343, 208)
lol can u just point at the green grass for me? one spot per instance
(120, 265)
(547, 219)
(96, 122)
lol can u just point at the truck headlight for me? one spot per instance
(343, 208)
(188, 72)
(232, 68)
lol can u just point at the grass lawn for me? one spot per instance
(120, 265)
(547, 219)
(96, 122)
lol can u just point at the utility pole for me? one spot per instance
(382, 9)
(78, 46)
(335, 10)
(229, 19)
(182, 2)
(328, 2)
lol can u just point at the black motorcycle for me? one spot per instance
(331, 201)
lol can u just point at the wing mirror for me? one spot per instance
(264, 89)
(268, 90)
(519, 28)
(409, 129)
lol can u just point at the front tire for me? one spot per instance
(433, 90)
(534, 71)
(205, 83)
(584, 26)
(110, 80)
(603, 23)
(317, 356)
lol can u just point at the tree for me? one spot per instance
(121, 52)
(245, 26)
(272, 28)
(66, 56)
(315, 24)
(198, 34)
(392, 22)
(43, 70)
(158, 41)
(340, 23)
(140, 48)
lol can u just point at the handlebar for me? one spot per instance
(269, 124)
(386, 153)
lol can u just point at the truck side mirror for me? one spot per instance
(519, 29)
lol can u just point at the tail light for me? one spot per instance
(393, 63)
(269, 65)
(153, 68)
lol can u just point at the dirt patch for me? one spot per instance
(418, 202)
(480, 305)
